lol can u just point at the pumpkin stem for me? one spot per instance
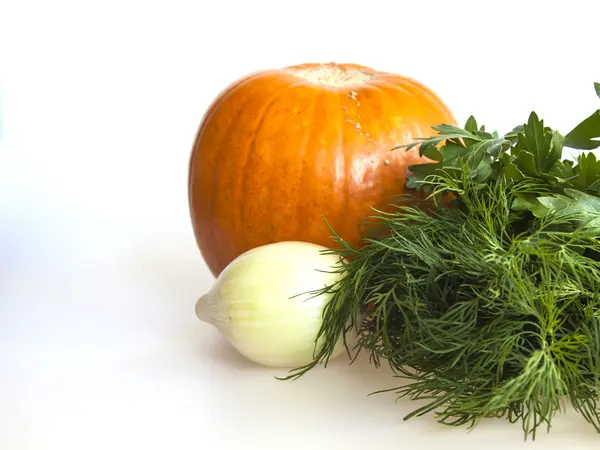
(332, 74)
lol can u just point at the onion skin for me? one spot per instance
(261, 302)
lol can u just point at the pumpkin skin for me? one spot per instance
(280, 151)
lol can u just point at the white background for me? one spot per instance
(99, 272)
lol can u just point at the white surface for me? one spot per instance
(99, 346)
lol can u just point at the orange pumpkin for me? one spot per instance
(279, 151)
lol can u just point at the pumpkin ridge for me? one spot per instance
(383, 94)
(361, 152)
(395, 91)
(224, 96)
(384, 193)
(243, 180)
(345, 195)
(205, 121)
(220, 156)
(423, 91)
(307, 135)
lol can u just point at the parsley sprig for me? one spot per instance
(531, 150)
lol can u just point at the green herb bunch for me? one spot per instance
(487, 305)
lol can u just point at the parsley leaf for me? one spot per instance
(530, 202)
(574, 203)
(586, 172)
(583, 136)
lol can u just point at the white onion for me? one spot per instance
(262, 303)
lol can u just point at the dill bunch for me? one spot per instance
(483, 318)
(487, 305)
